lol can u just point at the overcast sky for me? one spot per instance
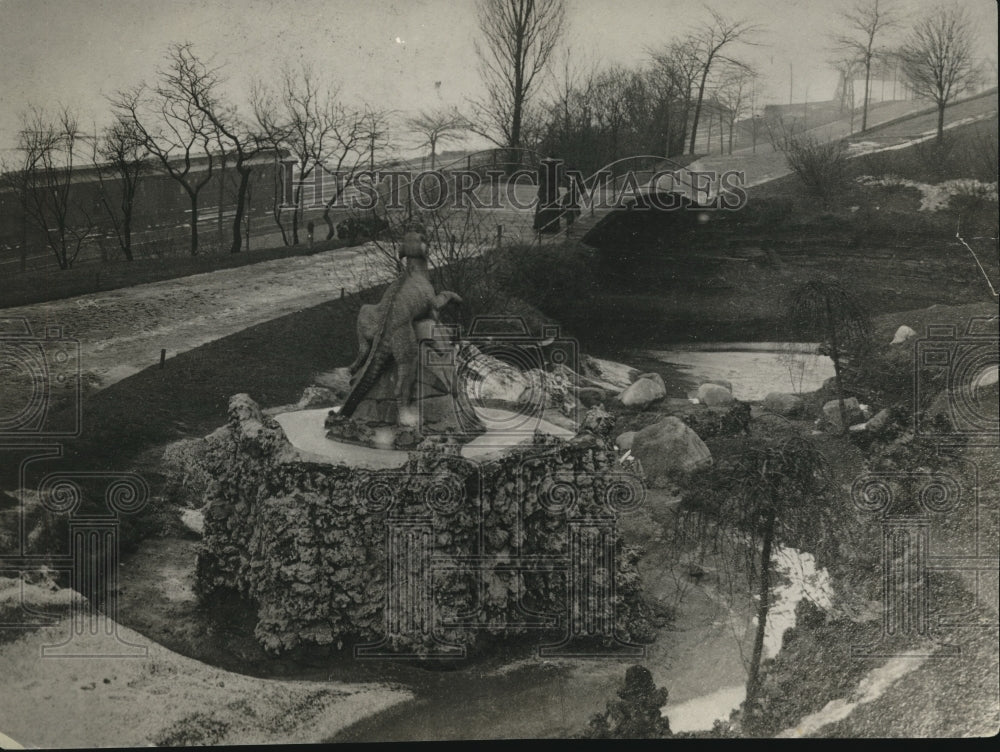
(401, 55)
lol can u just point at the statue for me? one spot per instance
(388, 342)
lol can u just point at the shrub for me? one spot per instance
(636, 715)
(822, 167)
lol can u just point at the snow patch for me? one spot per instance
(934, 197)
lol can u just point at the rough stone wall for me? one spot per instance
(307, 542)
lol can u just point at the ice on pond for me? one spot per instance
(753, 368)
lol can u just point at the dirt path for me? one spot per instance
(122, 331)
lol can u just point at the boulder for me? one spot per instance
(607, 372)
(337, 381)
(193, 520)
(782, 403)
(831, 410)
(591, 395)
(318, 396)
(902, 335)
(722, 382)
(489, 380)
(668, 448)
(724, 420)
(879, 421)
(714, 395)
(647, 388)
(599, 422)
(624, 441)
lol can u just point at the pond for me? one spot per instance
(753, 368)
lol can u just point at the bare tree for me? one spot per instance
(709, 42)
(866, 22)
(779, 488)
(236, 138)
(675, 75)
(830, 310)
(275, 130)
(178, 134)
(938, 60)
(307, 119)
(356, 138)
(43, 181)
(377, 128)
(734, 94)
(437, 126)
(570, 99)
(519, 39)
(611, 101)
(847, 67)
(121, 159)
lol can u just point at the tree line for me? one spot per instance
(539, 93)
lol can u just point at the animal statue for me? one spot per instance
(386, 331)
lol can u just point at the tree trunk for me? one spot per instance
(24, 240)
(127, 234)
(194, 222)
(835, 357)
(295, 215)
(753, 680)
(331, 230)
(697, 106)
(940, 123)
(222, 200)
(515, 121)
(241, 202)
(864, 112)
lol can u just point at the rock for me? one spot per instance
(667, 448)
(654, 377)
(831, 410)
(714, 395)
(337, 381)
(616, 375)
(591, 396)
(624, 441)
(902, 335)
(879, 421)
(317, 396)
(490, 381)
(724, 420)
(782, 403)
(647, 388)
(598, 421)
(194, 520)
(722, 382)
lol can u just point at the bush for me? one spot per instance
(636, 714)
(822, 167)
(354, 228)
